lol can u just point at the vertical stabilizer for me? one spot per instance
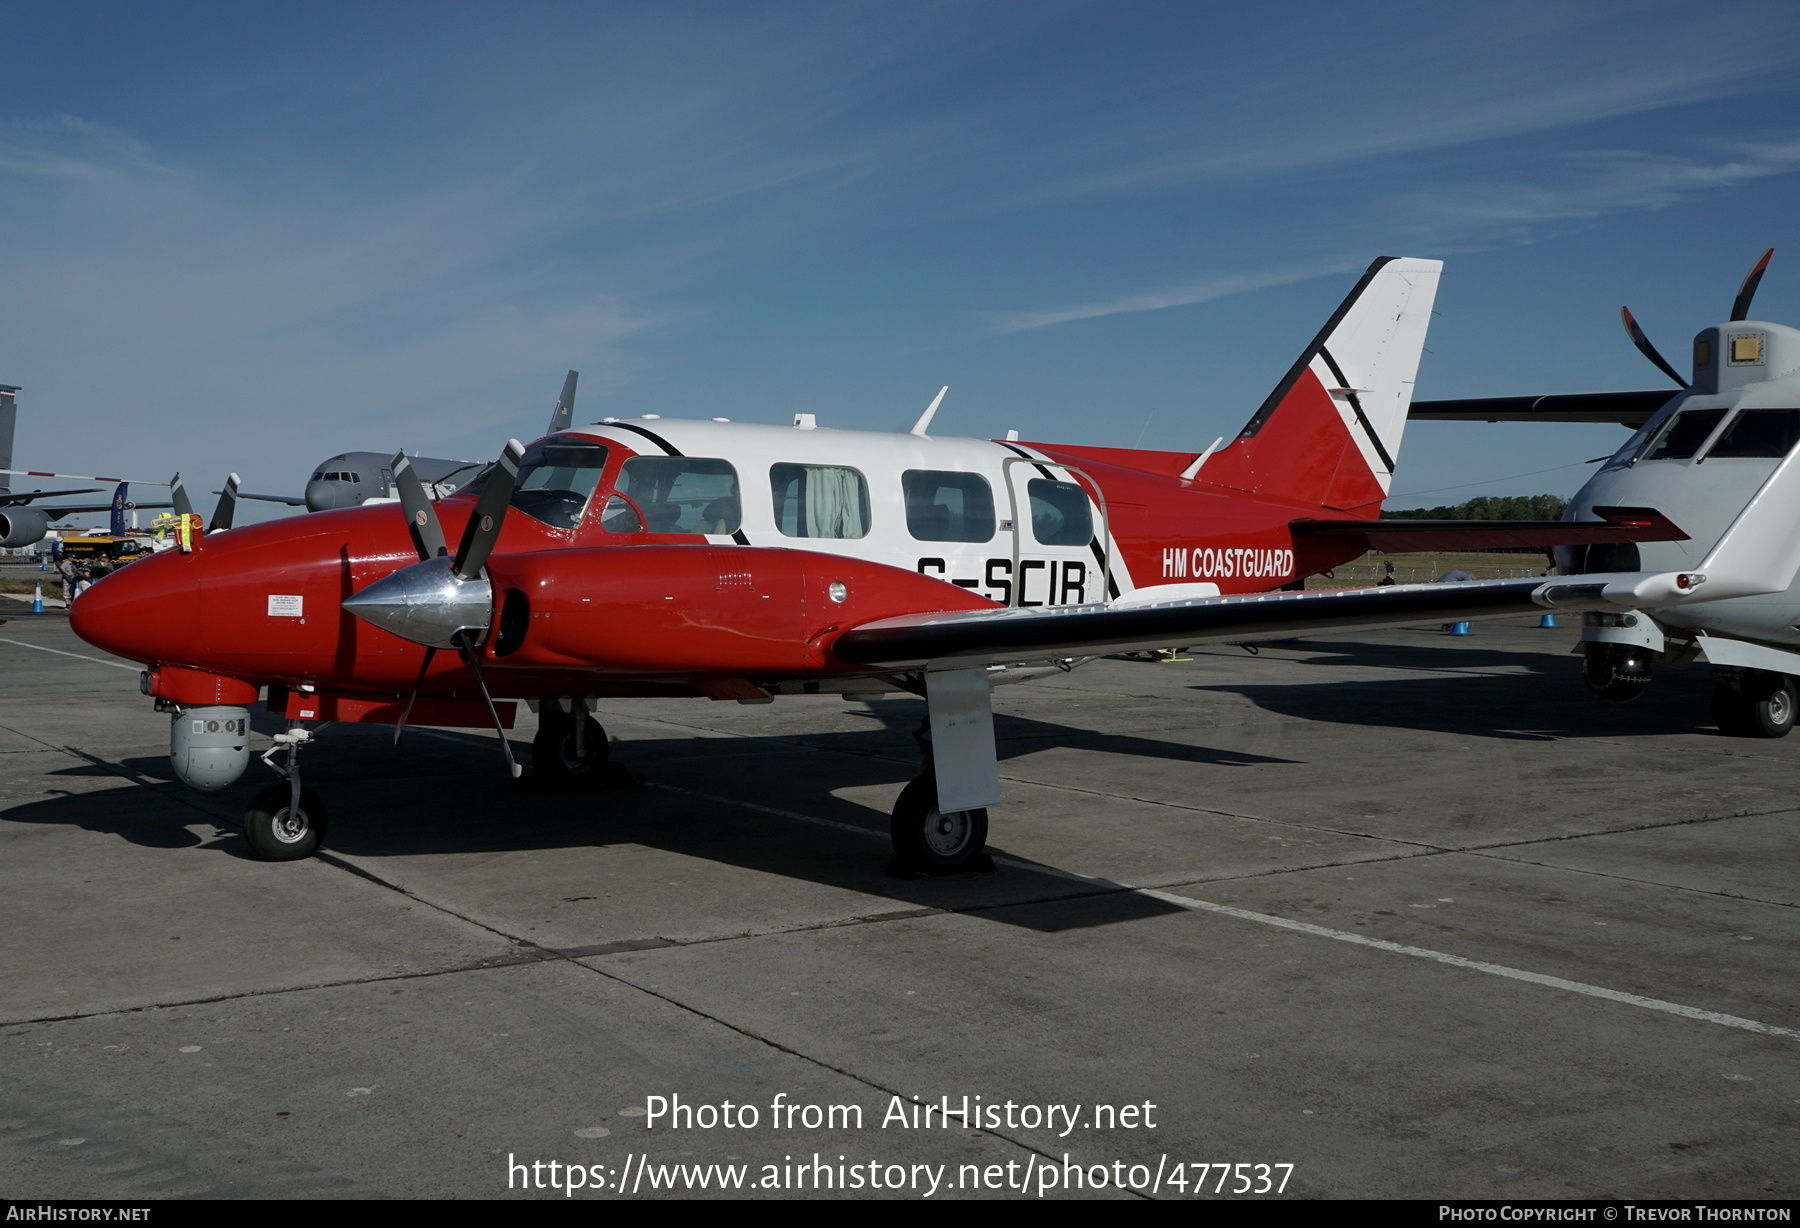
(120, 496)
(1329, 434)
(9, 419)
(563, 416)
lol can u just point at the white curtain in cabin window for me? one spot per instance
(835, 498)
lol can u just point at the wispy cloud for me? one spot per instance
(1176, 296)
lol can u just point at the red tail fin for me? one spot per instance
(1328, 435)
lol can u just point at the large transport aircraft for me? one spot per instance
(22, 524)
(654, 557)
(1709, 455)
(351, 479)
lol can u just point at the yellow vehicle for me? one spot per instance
(116, 550)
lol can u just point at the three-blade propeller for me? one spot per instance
(1740, 310)
(443, 601)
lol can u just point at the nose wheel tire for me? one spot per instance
(925, 838)
(554, 754)
(279, 832)
(1763, 705)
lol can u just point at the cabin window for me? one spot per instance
(1684, 434)
(1060, 515)
(683, 494)
(1759, 432)
(948, 507)
(557, 476)
(820, 501)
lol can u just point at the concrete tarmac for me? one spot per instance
(1411, 914)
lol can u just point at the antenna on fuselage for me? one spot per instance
(930, 412)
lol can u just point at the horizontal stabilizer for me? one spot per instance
(1631, 409)
(1618, 524)
(290, 500)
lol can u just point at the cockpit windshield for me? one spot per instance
(556, 478)
(1759, 432)
(1684, 434)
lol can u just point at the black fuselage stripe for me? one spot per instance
(652, 436)
(1112, 583)
(1337, 373)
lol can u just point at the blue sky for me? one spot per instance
(247, 236)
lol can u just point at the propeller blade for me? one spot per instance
(178, 496)
(421, 517)
(418, 685)
(1645, 348)
(471, 655)
(226, 507)
(1740, 307)
(490, 513)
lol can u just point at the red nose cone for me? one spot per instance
(146, 611)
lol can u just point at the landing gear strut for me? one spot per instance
(286, 821)
(1754, 703)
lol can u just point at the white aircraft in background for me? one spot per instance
(1708, 457)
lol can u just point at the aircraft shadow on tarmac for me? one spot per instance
(445, 795)
(1549, 704)
(1452, 654)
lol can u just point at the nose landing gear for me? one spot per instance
(286, 821)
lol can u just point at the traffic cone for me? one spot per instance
(1548, 620)
(1459, 628)
(37, 597)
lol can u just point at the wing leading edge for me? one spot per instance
(1004, 636)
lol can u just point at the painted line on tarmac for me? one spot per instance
(79, 656)
(1318, 931)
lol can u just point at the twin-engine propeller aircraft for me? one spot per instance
(1713, 455)
(742, 562)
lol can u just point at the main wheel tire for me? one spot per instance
(276, 832)
(925, 838)
(1764, 707)
(553, 749)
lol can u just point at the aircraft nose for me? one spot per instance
(145, 611)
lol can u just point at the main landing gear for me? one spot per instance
(1753, 703)
(926, 839)
(571, 749)
(286, 821)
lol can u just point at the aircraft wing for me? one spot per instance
(1631, 409)
(1004, 636)
(1617, 524)
(290, 500)
(69, 508)
(12, 498)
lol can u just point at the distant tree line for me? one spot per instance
(1489, 507)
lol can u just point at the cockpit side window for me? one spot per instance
(556, 478)
(683, 494)
(1759, 432)
(1684, 434)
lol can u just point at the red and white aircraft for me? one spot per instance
(653, 557)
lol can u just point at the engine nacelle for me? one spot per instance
(209, 748)
(22, 526)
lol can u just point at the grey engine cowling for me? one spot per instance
(210, 747)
